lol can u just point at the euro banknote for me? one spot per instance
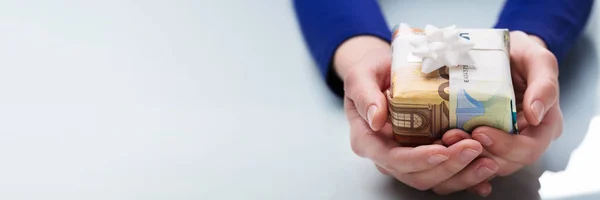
(423, 106)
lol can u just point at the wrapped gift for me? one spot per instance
(449, 78)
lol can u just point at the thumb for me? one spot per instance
(363, 89)
(542, 86)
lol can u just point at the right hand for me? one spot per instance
(363, 63)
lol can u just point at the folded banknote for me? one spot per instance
(425, 105)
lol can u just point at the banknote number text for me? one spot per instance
(465, 70)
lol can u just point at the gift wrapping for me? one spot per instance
(463, 87)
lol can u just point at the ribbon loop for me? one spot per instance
(440, 47)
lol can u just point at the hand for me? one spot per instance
(535, 80)
(363, 63)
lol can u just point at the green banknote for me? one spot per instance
(483, 95)
(478, 102)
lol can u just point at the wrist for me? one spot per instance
(352, 50)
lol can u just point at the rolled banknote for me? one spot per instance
(424, 105)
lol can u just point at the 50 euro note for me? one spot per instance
(425, 105)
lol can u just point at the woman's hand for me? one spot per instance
(540, 121)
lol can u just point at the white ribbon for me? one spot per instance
(440, 47)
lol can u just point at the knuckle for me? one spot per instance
(361, 97)
(539, 52)
(356, 147)
(552, 83)
(549, 56)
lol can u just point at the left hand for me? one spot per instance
(535, 79)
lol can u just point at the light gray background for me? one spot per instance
(219, 100)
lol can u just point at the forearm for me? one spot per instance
(556, 22)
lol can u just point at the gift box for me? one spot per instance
(449, 78)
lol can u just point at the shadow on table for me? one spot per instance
(523, 185)
(577, 71)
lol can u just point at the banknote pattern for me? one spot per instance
(425, 105)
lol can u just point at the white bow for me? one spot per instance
(440, 47)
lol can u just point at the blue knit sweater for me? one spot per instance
(326, 24)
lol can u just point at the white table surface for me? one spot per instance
(202, 99)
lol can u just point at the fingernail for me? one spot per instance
(453, 140)
(468, 154)
(484, 192)
(371, 114)
(484, 172)
(538, 110)
(483, 139)
(437, 159)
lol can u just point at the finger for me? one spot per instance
(403, 160)
(542, 84)
(454, 135)
(483, 189)
(524, 149)
(514, 148)
(506, 167)
(382, 170)
(462, 153)
(386, 153)
(364, 141)
(387, 130)
(521, 121)
(478, 171)
(364, 87)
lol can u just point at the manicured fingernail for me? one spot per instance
(468, 154)
(484, 172)
(538, 110)
(371, 114)
(483, 139)
(437, 159)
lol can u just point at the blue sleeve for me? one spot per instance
(558, 22)
(326, 24)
